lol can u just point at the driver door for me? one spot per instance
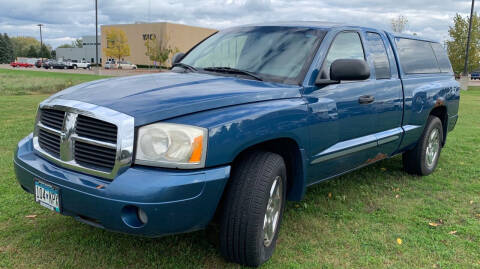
(343, 115)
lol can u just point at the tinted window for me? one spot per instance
(378, 53)
(442, 58)
(346, 45)
(416, 57)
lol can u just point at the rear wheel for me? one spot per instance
(423, 158)
(253, 208)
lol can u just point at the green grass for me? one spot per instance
(357, 226)
(20, 82)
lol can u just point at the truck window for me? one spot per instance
(347, 45)
(442, 58)
(379, 56)
(416, 56)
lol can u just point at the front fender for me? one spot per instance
(236, 128)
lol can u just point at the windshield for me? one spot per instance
(280, 54)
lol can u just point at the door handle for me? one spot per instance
(366, 99)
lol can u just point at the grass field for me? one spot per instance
(16, 82)
(375, 217)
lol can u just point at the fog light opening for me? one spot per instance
(142, 216)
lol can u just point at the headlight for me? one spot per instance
(171, 145)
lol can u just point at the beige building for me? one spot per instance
(179, 37)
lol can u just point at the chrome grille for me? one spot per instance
(84, 137)
(96, 129)
(49, 142)
(52, 118)
(94, 156)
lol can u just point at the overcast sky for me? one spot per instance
(67, 20)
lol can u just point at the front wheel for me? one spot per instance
(423, 158)
(252, 208)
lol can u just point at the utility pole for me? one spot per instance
(41, 41)
(96, 39)
(465, 67)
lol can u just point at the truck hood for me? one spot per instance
(155, 97)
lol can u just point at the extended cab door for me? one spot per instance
(342, 129)
(388, 94)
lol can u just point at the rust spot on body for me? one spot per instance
(439, 102)
(380, 156)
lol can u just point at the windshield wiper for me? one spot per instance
(230, 70)
(185, 66)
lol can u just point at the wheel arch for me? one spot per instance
(440, 111)
(293, 156)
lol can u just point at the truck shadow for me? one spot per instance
(72, 243)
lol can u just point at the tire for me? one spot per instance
(244, 207)
(75, 67)
(423, 158)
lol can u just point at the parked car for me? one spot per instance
(39, 63)
(48, 64)
(111, 65)
(58, 65)
(475, 75)
(18, 64)
(126, 65)
(228, 136)
(75, 64)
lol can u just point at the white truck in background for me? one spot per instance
(74, 64)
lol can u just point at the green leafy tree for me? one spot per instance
(45, 52)
(78, 43)
(458, 41)
(159, 50)
(22, 45)
(66, 46)
(32, 52)
(9, 52)
(2, 50)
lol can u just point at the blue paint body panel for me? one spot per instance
(333, 132)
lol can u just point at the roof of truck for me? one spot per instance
(332, 25)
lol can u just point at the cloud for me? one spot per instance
(70, 19)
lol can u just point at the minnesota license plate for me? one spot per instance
(47, 195)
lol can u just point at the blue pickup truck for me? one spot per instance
(244, 121)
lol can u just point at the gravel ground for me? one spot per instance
(104, 72)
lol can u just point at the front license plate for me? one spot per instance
(47, 195)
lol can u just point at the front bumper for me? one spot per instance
(175, 201)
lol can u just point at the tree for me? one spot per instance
(32, 52)
(399, 24)
(456, 46)
(78, 43)
(22, 45)
(66, 46)
(159, 50)
(45, 52)
(8, 49)
(117, 44)
(3, 50)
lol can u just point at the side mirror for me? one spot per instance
(345, 69)
(177, 57)
(349, 69)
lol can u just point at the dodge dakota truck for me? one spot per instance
(243, 122)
